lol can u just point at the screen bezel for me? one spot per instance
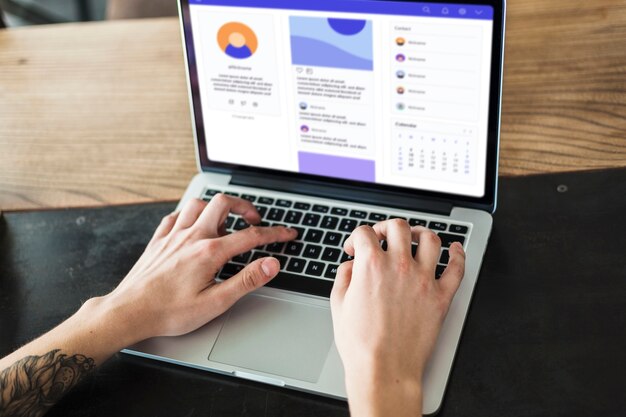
(487, 202)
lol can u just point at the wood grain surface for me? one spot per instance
(97, 113)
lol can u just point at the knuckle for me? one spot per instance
(210, 246)
(433, 237)
(399, 223)
(255, 232)
(250, 277)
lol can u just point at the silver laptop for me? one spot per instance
(327, 115)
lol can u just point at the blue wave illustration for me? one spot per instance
(312, 52)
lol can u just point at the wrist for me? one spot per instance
(113, 320)
(375, 391)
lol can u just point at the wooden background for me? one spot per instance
(97, 113)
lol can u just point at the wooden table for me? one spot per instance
(97, 113)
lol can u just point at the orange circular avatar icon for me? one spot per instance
(237, 40)
(400, 41)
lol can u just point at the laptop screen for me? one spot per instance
(386, 92)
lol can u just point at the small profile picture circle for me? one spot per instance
(400, 106)
(303, 105)
(304, 129)
(400, 90)
(400, 41)
(400, 58)
(400, 74)
(237, 40)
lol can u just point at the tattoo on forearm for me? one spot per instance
(33, 384)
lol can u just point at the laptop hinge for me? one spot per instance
(340, 192)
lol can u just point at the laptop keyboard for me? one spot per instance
(309, 263)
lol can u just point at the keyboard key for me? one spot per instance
(358, 214)
(211, 193)
(378, 217)
(258, 255)
(300, 231)
(229, 221)
(312, 251)
(439, 271)
(437, 226)
(207, 199)
(232, 193)
(240, 224)
(248, 197)
(384, 245)
(331, 254)
(333, 239)
(345, 257)
(243, 258)
(264, 224)
(230, 269)
(347, 225)
(313, 235)
(318, 208)
(331, 271)
(445, 257)
(364, 223)
(447, 239)
(455, 228)
(266, 200)
(276, 247)
(302, 206)
(293, 217)
(329, 222)
(311, 220)
(293, 248)
(417, 222)
(339, 211)
(275, 214)
(262, 210)
(296, 265)
(315, 268)
(283, 203)
(414, 249)
(282, 260)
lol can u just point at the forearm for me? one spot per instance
(37, 375)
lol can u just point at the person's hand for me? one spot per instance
(387, 310)
(171, 290)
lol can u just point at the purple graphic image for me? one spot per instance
(337, 166)
(347, 26)
(333, 43)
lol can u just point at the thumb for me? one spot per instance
(253, 276)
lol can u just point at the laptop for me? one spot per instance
(327, 115)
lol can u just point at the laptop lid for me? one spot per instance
(394, 97)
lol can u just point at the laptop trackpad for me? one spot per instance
(275, 336)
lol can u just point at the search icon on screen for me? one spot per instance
(426, 9)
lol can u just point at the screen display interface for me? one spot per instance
(393, 93)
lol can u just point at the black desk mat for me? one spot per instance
(545, 336)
